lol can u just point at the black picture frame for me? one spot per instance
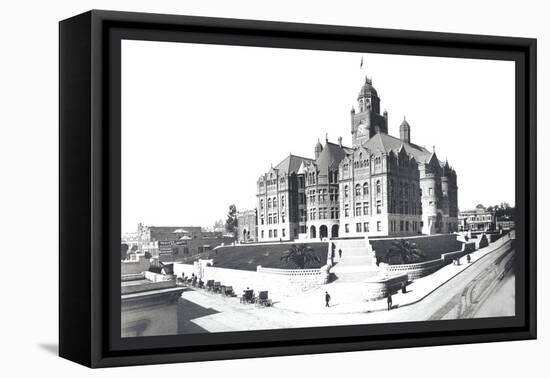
(89, 121)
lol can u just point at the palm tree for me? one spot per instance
(403, 252)
(300, 255)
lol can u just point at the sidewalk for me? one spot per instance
(348, 298)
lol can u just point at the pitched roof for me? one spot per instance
(386, 143)
(291, 164)
(331, 156)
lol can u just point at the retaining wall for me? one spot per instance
(381, 287)
(279, 282)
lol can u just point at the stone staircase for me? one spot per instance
(357, 262)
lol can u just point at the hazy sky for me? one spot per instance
(200, 123)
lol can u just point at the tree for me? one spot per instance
(403, 252)
(300, 255)
(123, 251)
(231, 222)
(147, 255)
(134, 248)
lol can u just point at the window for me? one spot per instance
(379, 226)
(261, 204)
(378, 207)
(275, 217)
(365, 189)
(269, 219)
(346, 210)
(333, 194)
(283, 218)
(378, 187)
(283, 201)
(262, 219)
(400, 225)
(346, 228)
(366, 226)
(365, 208)
(274, 233)
(262, 234)
(311, 196)
(407, 226)
(269, 203)
(322, 195)
(430, 191)
(311, 214)
(358, 227)
(357, 190)
(274, 202)
(283, 232)
(358, 210)
(346, 192)
(303, 215)
(270, 233)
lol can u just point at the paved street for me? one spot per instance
(483, 288)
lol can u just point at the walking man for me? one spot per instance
(389, 302)
(327, 299)
(468, 258)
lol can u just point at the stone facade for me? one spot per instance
(382, 185)
(247, 226)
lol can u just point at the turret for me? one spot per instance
(405, 131)
(318, 149)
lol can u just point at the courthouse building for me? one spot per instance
(381, 186)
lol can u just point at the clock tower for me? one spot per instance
(367, 121)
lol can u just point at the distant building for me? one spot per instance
(381, 185)
(170, 243)
(477, 220)
(247, 226)
(505, 223)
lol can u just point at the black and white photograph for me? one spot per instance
(269, 188)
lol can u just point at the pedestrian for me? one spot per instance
(327, 299)
(340, 253)
(468, 258)
(389, 302)
(404, 288)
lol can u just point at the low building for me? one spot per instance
(477, 220)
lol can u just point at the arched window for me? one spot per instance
(378, 187)
(366, 189)
(269, 203)
(346, 191)
(358, 190)
(274, 201)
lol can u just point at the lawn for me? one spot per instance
(432, 246)
(248, 257)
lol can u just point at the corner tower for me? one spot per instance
(367, 121)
